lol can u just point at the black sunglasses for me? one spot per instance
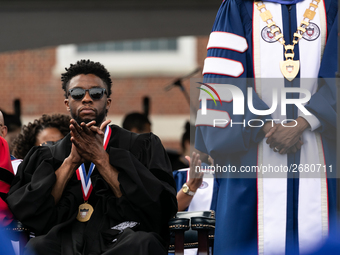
(79, 93)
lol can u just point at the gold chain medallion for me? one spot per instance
(85, 211)
(289, 67)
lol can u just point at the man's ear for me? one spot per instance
(108, 104)
(67, 104)
(3, 131)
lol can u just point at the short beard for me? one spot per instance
(99, 118)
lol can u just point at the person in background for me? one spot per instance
(195, 183)
(47, 129)
(3, 127)
(6, 177)
(3, 133)
(178, 160)
(137, 122)
(8, 166)
(286, 48)
(196, 187)
(13, 124)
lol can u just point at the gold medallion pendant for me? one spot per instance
(290, 68)
(84, 212)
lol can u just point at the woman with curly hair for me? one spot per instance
(49, 128)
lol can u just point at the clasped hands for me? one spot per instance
(87, 141)
(285, 139)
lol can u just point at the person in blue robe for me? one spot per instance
(296, 210)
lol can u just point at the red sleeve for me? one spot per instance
(6, 176)
(5, 158)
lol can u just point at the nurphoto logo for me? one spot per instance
(238, 101)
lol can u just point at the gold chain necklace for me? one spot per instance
(289, 67)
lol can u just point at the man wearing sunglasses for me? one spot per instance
(100, 190)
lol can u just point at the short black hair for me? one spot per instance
(135, 120)
(86, 67)
(27, 138)
(189, 128)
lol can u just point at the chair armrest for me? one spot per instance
(179, 224)
(202, 223)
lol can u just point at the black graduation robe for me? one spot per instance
(146, 182)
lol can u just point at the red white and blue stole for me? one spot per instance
(84, 177)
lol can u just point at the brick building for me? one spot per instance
(33, 76)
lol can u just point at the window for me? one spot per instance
(126, 46)
(155, 57)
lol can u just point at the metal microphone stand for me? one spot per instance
(178, 83)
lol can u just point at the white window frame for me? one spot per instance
(135, 63)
